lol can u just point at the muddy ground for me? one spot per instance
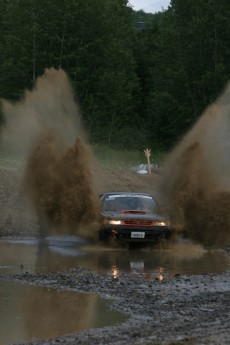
(177, 310)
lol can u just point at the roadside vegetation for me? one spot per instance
(10, 160)
(121, 159)
(105, 155)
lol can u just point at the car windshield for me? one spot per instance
(123, 202)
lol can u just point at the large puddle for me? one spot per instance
(29, 312)
(32, 312)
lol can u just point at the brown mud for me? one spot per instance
(60, 184)
(195, 183)
(44, 128)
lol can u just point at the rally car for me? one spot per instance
(132, 218)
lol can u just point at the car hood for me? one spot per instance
(131, 215)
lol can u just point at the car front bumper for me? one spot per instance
(137, 234)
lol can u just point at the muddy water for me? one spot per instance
(61, 253)
(31, 312)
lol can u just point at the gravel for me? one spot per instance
(176, 310)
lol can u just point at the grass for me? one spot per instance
(119, 159)
(10, 160)
(107, 157)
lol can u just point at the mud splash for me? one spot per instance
(44, 129)
(195, 184)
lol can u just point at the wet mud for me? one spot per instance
(195, 184)
(44, 130)
(60, 183)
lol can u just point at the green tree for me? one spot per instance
(19, 40)
(91, 40)
(184, 56)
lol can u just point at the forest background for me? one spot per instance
(141, 79)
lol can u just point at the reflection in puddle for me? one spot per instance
(160, 275)
(31, 312)
(115, 272)
(58, 254)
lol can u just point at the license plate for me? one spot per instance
(137, 235)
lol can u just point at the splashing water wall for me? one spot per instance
(45, 130)
(195, 184)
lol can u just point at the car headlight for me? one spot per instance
(112, 222)
(161, 223)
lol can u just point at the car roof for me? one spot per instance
(128, 194)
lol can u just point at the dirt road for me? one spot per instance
(177, 310)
